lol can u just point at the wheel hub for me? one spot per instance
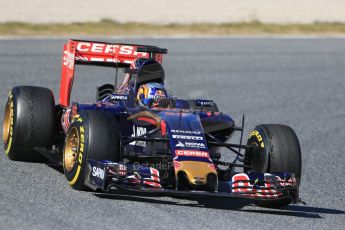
(71, 149)
(7, 123)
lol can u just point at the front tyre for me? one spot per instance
(279, 151)
(92, 135)
(29, 122)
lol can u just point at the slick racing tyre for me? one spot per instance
(92, 135)
(280, 152)
(29, 122)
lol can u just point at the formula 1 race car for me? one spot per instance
(167, 147)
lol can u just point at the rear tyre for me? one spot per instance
(29, 122)
(92, 135)
(280, 152)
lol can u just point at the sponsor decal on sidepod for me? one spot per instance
(138, 131)
(98, 172)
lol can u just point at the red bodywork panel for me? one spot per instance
(95, 53)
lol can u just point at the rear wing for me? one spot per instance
(102, 54)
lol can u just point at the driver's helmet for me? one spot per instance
(150, 94)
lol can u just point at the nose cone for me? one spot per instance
(198, 173)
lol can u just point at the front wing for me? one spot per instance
(113, 177)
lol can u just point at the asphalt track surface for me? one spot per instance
(298, 82)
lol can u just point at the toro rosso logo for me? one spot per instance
(109, 49)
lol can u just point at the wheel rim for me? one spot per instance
(71, 149)
(7, 123)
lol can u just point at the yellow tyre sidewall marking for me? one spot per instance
(9, 144)
(77, 118)
(258, 137)
(75, 178)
